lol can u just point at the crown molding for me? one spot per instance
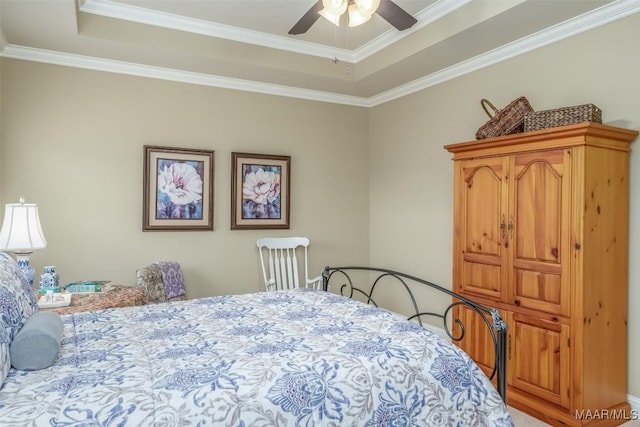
(120, 67)
(601, 16)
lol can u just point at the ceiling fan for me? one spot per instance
(361, 9)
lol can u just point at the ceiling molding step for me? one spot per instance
(138, 70)
(156, 18)
(425, 17)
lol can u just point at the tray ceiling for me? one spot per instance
(243, 44)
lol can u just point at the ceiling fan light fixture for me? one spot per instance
(356, 17)
(360, 11)
(331, 17)
(335, 7)
(367, 7)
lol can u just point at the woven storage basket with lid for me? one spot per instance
(562, 116)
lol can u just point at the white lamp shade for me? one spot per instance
(360, 11)
(331, 17)
(21, 229)
(367, 7)
(335, 7)
(356, 17)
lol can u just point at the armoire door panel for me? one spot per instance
(539, 358)
(481, 279)
(483, 194)
(538, 290)
(538, 207)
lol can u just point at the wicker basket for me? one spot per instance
(506, 121)
(562, 116)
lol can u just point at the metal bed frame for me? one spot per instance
(490, 316)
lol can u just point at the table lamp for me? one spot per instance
(21, 233)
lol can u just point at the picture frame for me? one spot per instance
(260, 189)
(178, 189)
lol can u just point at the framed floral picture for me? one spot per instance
(259, 191)
(178, 189)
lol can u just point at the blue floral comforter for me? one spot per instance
(287, 358)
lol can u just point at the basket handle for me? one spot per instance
(484, 103)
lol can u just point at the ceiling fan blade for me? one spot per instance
(395, 15)
(307, 20)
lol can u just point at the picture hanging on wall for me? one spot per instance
(259, 191)
(178, 189)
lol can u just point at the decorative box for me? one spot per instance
(57, 300)
(562, 116)
(85, 287)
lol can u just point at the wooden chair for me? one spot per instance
(281, 265)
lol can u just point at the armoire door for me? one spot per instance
(480, 227)
(538, 358)
(538, 228)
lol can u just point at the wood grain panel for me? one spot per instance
(605, 237)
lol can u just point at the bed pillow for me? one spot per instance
(17, 304)
(17, 299)
(5, 361)
(37, 344)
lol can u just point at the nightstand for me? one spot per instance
(112, 296)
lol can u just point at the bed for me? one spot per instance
(284, 358)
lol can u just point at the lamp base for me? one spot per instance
(25, 266)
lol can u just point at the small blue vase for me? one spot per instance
(49, 279)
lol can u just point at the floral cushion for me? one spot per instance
(172, 279)
(150, 279)
(17, 304)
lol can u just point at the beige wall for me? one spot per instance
(368, 184)
(411, 174)
(1, 127)
(72, 142)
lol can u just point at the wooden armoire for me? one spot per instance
(541, 233)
